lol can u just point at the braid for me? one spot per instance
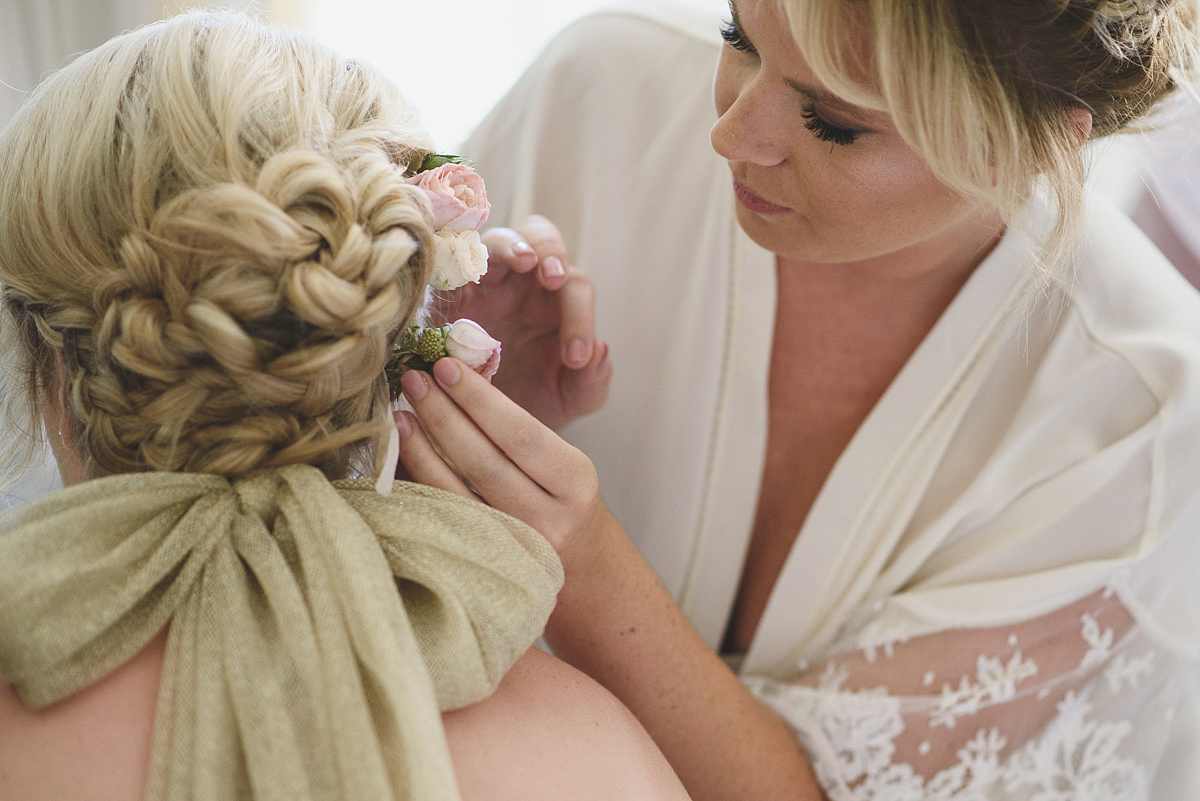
(253, 321)
(263, 253)
(1127, 26)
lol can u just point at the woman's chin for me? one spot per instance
(785, 237)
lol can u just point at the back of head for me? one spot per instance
(206, 218)
(994, 92)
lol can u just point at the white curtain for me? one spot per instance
(38, 36)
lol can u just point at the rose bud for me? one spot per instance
(468, 342)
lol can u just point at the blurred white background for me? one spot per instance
(451, 58)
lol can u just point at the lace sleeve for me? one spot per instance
(1043, 709)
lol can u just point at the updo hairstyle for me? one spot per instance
(982, 88)
(206, 220)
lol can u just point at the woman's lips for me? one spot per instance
(755, 203)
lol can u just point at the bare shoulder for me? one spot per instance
(551, 732)
(92, 745)
(547, 732)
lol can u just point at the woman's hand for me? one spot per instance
(544, 311)
(614, 620)
(500, 452)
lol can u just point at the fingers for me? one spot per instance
(577, 313)
(576, 295)
(537, 243)
(512, 461)
(548, 243)
(419, 462)
(499, 447)
(556, 466)
(585, 390)
(494, 476)
(508, 250)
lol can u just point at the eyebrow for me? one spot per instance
(824, 98)
(812, 93)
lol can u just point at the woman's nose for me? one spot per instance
(748, 130)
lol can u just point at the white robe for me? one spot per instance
(992, 594)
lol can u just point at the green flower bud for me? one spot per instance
(431, 345)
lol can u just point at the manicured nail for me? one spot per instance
(554, 267)
(577, 354)
(446, 371)
(415, 384)
(403, 424)
(521, 247)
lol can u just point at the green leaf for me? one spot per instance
(435, 160)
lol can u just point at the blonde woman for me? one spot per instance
(208, 248)
(905, 425)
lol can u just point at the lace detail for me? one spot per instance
(1043, 722)
(886, 638)
(994, 683)
(1131, 671)
(1099, 643)
(864, 730)
(1078, 758)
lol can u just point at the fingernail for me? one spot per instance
(521, 247)
(403, 424)
(554, 266)
(577, 353)
(603, 354)
(447, 372)
(415, 384)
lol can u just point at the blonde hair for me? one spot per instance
(983, 88)
(206, 218)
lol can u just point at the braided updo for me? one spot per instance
(206, 219)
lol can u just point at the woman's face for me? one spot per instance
(818, 180)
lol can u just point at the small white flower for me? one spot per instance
(460, 257)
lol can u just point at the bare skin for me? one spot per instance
(870, 249)
(93, 745)
(854, 301)
(548, 731)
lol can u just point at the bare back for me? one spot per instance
(547, 732)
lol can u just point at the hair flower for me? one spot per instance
(460, 257)
(460, 207)
(421, 346)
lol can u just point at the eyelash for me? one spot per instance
(824, 130)
(735, 38)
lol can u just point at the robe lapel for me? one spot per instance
(874, 488)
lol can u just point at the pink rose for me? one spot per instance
(459, 199)
(468, 342)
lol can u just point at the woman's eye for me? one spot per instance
(735, 38)
(826, 131)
